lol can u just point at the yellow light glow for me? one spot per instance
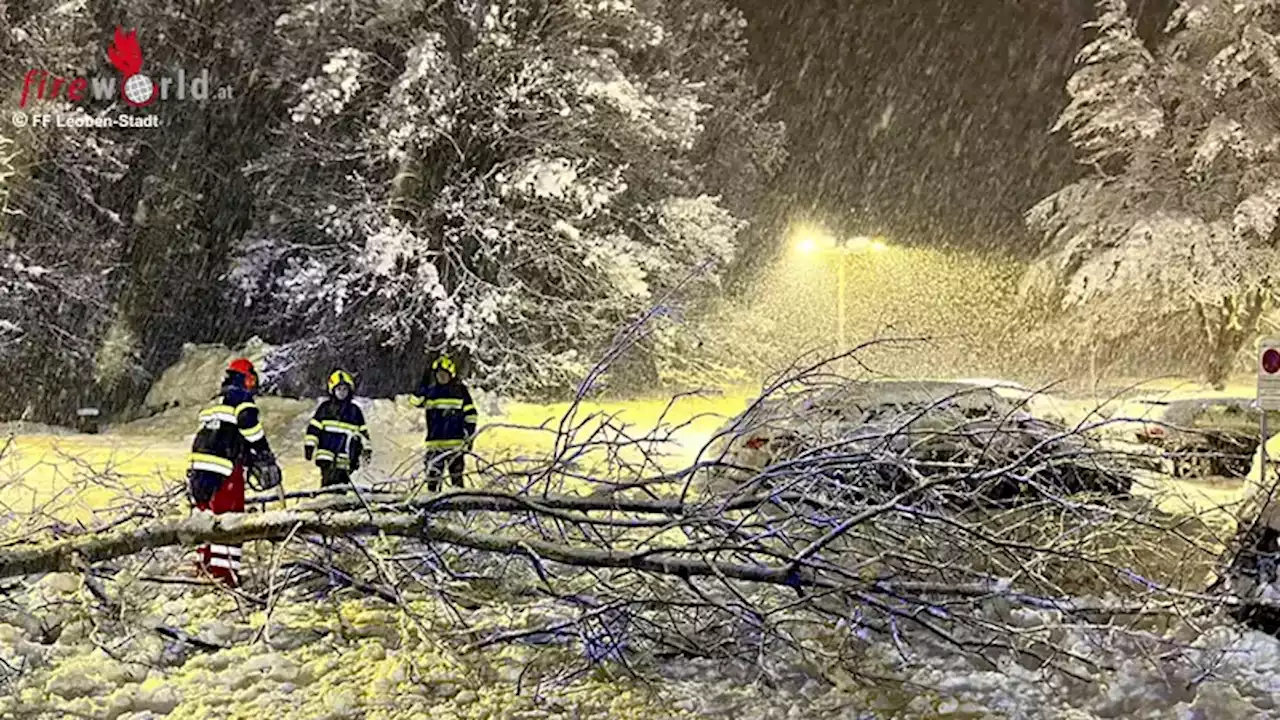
(811, 240)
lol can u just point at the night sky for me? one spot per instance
(925, 120)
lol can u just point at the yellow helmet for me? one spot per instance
(340, 377)
(444, 362)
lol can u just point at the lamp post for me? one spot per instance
(840, 288)
(816, 243)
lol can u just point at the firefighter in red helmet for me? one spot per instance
(229, 443)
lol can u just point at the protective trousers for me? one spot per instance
(223, 561)
(437, 461)
(331, 475)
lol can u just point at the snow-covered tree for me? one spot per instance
(59, 253)
(1179, 210)
(133, 226)
(511, 180)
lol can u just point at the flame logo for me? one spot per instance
(124, 52)
(137, 89)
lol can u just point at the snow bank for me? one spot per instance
(324, 659)
(282, 418)
(195, 377)
(392, 415)
(20, 427)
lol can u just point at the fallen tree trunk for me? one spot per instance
(71, 554)
(462, 500)
(67, 554)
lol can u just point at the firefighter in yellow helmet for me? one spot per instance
(337, 438)
(451, 421)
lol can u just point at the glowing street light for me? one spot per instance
(864, 243)
(812, 241)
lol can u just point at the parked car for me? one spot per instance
(861, 434)
(1206, 436)
(88, 420)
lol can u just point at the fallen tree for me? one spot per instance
(71, 554)
(798, 558)
(343, 520)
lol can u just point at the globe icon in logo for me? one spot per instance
(139, 90)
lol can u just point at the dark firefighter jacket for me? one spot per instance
(451, 415)
(230, 433)
(337, 434)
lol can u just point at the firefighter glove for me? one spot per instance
(266, 476)
(309, 451)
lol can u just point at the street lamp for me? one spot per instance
(811, 242)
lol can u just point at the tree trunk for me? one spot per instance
(74, 554)
(1226, 328)
(1218, 367)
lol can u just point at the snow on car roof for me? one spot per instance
(1194, 400)
(1209, 401)
(993, 382)
(1181, 410)
(905, 392)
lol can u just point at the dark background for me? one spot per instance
(925, 120)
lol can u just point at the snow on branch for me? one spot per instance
(879, 522)
(1113, 96)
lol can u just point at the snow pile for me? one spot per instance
(196, 376)
(1227, 672)
(323, 659)
(21, 427)
(396, 416)
(284, 419)
(388, 416)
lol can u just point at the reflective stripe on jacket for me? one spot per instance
(229, 433)
(451, 414)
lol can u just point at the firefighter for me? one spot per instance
(451, 421)
(337, 438)
(229, 443)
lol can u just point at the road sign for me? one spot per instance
(1269, 374)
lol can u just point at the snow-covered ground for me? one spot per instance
(79, 473)
(350, 657)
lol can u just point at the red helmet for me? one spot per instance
(245, 368)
